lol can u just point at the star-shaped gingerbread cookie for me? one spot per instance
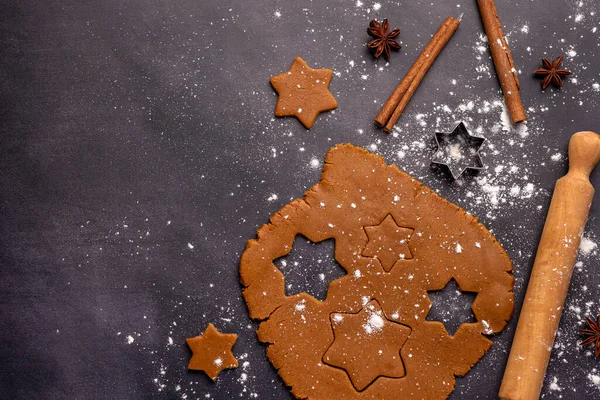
(367, 345)
(212, 352)
(303, 92)
(388, 242)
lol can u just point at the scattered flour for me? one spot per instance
(587, 246)
(554, 384)
(375, 322)
(458, 248)
(301, 305)
(486, 327)
(455, 152)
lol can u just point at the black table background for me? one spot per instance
(138, 153)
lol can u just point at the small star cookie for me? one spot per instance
(303, 92)
(212, 352)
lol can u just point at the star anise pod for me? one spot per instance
(552, 72)
(383, 41)
(593, 334)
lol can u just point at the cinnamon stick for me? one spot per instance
(395, 105)
(390, 105)
(503, 60)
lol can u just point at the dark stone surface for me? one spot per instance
(138, 153)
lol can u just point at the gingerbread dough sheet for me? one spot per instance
(396, 239)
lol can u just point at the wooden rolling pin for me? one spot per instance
(551, 274)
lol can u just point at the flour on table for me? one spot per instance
(587, 246)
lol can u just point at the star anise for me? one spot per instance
(552, 72)
(383, 41)
(593, 334)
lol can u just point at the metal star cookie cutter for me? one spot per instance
(455, 146)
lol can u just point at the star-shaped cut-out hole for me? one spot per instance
(451, 306)
(388, 242)
(211, 352)
(458, 150)
(310, 267)
(367, 345)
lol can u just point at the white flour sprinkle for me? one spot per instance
(554, 384)
(375, 322)
(486, 327)
(595, 379)
(587, 246)
(301, 305)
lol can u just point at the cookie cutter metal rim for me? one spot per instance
(461, 129)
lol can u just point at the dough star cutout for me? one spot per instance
(458, 150)
(451, 306)
(303, 92)
(212, 352)
(367, 345)
(388, 242)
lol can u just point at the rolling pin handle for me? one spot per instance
(584, 154)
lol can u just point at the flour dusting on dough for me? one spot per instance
(375, 322)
